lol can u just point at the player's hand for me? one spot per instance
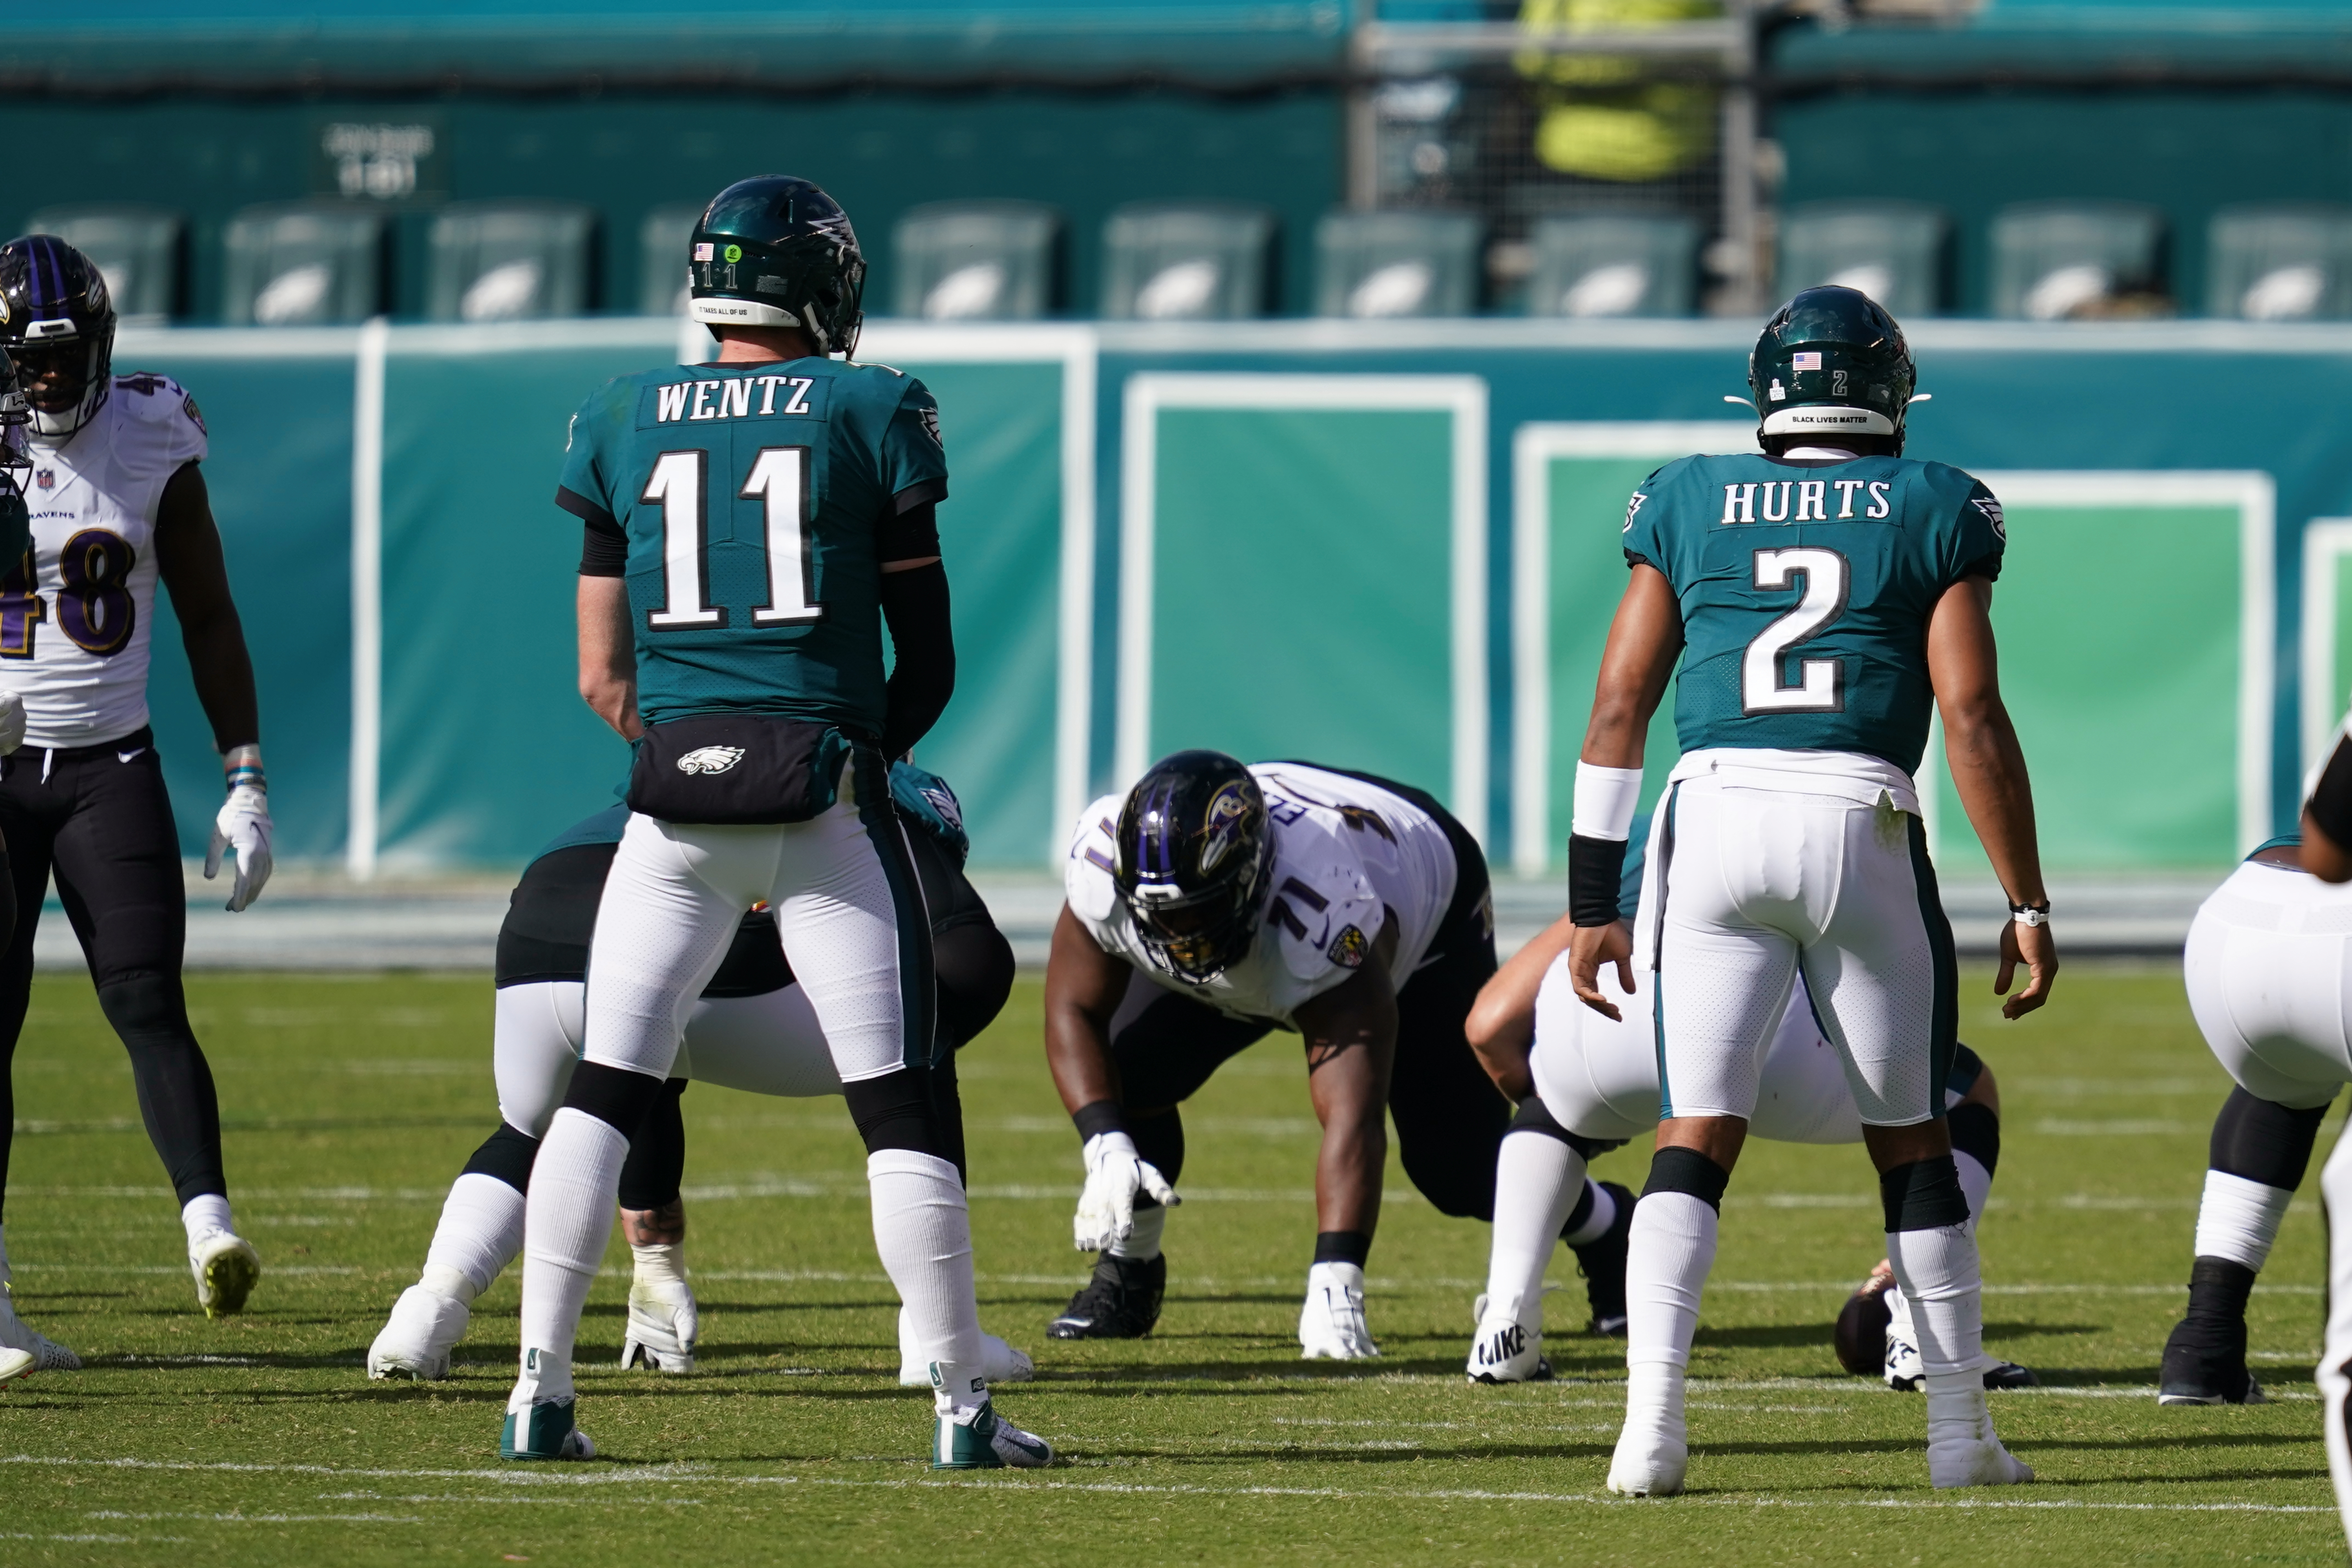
(2033, 947)
(1115, 1173)
(1591, 947)
(12, 722)
(243, 826)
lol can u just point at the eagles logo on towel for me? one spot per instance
(1221, 829)
(1348, 948)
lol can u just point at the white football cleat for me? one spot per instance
(999, 1362)
(1331, 1324)
(417, 1340)
(664, 1323)
(226, 1268)
(16, 1334)
(1652, 1449)
(1506, 1350)
(14, 1364)
(1962, 1450)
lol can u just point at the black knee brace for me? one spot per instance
(1923, 1195)
(2264, 1142)
(617, 1097)
(506, 1155)
(1976, 1132)
(656, 1162)
(1160, 1140)
(1678, 1169)
(1534, 1116)
(897, 1110)
(973, 964)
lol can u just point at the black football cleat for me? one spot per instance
(2205, 1356)
(1120, 1302)
(1602, 1264)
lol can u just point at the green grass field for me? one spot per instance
(351, 1102)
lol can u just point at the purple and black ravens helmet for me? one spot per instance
(1832, 362)
(15, 414)
(776, 251)
(1195, 850)
(56, 322)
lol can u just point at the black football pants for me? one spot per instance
(99, 817)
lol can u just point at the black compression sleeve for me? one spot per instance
(2331, 802)
(603, 549)
(922, 674)
(912, 534)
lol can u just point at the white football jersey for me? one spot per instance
(77, 613)
(1346, 853)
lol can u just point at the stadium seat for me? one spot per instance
(1397, 264)
(2289, 263)
(662, 239)
(137, 250)
(1891, 251)
(975, 261)
(1178, 261)
(2052, 261)
(303, 264)
(1599, 265)
(504, 261)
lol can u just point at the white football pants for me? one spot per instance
(2269, 972)
(768, 1044)
(1767, 863)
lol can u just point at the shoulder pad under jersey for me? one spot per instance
(1087, 877)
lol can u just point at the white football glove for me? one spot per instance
(1115, 1173)
(243, 826)
(12, 722)
(1331, 1324)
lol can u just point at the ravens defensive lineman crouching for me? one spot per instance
(752, 1030)
(1216, 902)
(1822, 599)
(769, 512)
(1591, 1084)
(119, 501)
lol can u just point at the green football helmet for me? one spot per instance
(776, 251)
(1832, 362)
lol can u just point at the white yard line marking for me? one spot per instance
(269, 1518)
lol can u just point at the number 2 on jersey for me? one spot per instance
(1821, 686)
(779, 479)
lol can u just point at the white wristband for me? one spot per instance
(1605, 799)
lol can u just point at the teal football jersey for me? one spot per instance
(755, 499)
(1806, 586)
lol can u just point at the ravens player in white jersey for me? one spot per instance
(1822, 599)
(752, 1029)
(1216, 902)
(118, 505)
(22, 1349)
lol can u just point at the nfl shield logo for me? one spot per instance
(46, 478)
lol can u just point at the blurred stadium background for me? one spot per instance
(1295, 361)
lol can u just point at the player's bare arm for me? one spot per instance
(1988, 769)
(608, 655)
(1502, 1024)
(1350, 1033)
(188, 558)
(2327, 819)
(1083, 987)
(1644, 640)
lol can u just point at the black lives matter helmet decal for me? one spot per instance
(776, 251)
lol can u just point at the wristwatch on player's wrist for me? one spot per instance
(2031, 914)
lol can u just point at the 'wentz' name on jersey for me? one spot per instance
(1806, 587)
(754, 497)
(1346, 853)
(76, 610)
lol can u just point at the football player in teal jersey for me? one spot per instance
(1819, 600)
(751, 526)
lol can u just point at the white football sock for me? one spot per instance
(1975, 1183)
(2239, 1219)
(1937, 1270)
(923, 1231)
(1142, 1243)
(479, 1234)
(1536, 1179)
(204, 1214)
(658, 1263)
(1667, 1264)
(1597, 1219)
(568, 1221)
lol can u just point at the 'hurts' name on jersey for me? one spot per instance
(1811, 500)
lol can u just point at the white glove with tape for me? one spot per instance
(1331, 1324)
(1115, 1173)
(12, 722)
(243, 826)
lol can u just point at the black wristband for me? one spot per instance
(1595, 869)
(2330, 805)
(1102, 1116)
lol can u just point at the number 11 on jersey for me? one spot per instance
(779, 480)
